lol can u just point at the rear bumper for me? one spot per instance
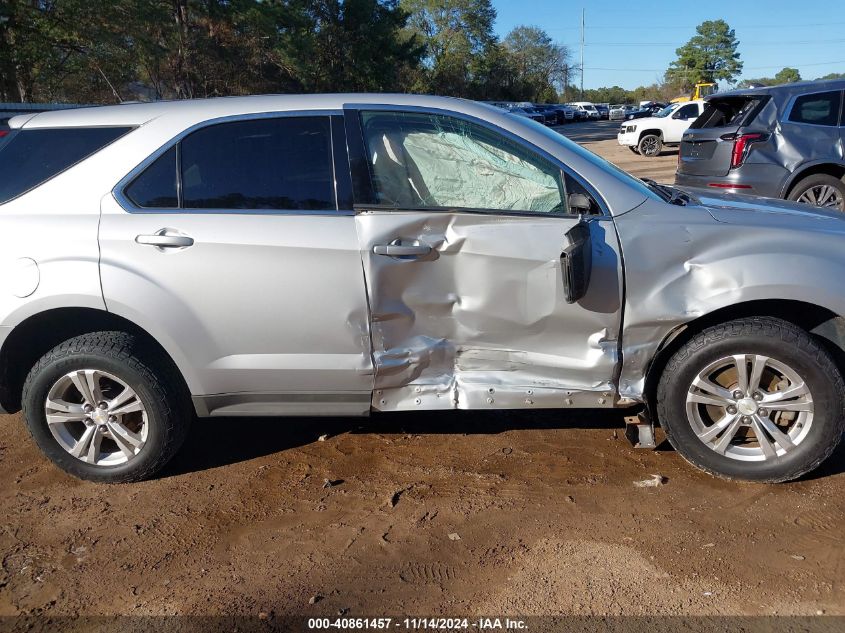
(752, 179)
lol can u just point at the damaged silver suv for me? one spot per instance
(337, 255)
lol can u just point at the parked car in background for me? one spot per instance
(568, 112)
(343, 254)
(780, 142)
(554, 116)
(650, 109)
(648, 136)
(588, 108)
(619, 112)
(603, 110)
(525, 112)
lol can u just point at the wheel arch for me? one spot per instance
(824, 324)
(837, 170)
(655, 131)
(36, 335)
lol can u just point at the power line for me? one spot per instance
(741, 42)
(676, 26)
(692, 70)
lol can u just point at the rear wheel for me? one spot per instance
(104, 408)
(755, 399)
(820, 190)
(650, 145)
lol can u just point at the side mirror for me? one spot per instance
(579, 203)
(576, 262)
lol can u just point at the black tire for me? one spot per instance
(820, 180)
(125, 356)
(779, 340)
(634, 149)
(650, 145)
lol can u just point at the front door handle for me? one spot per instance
(164, 239)
(397, 249)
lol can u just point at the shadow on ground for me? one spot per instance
(215, 442)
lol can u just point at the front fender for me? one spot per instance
(683, 263)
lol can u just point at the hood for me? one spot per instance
(744, 209)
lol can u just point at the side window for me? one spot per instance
(433, 161)
(156, 186)
(279, 163)
(689, 111)
(31, 157)
(821, 108)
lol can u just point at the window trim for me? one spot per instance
(15, 131)
(790, 105)
(118, 191)
(355, 110)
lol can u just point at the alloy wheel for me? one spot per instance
(750, 407)
(824, 196)
(96, 417)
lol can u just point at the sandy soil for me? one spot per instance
(509, 513)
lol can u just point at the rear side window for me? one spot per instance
(727, 112)
(821, 108)
(689, 111)
(281, 163)
(31, 157)
(156, 187)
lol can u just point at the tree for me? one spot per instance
(356, 46)
(457, 35)
(783, 76)
(540, 67)
(711, 55)
(832, 76)
(787, 76)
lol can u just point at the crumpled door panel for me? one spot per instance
(481, 321)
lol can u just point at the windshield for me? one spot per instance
(666, 111)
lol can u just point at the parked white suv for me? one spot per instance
(649, 135)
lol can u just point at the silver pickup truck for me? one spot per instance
(347, 254)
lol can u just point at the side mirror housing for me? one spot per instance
(576, 262)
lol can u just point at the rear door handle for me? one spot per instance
(396, 249)
(165, 240)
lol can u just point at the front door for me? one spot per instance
(462, 243)
(679, 122)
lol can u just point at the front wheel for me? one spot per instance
(650, 145)
(634, 149)
(756, 399)
(104, 407)
(820, 190)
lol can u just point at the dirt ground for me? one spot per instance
(506, 513)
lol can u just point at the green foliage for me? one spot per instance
(832, 76)
(711, 55)
(783, 76)
(107, 51)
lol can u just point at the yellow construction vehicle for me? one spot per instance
(699, 92)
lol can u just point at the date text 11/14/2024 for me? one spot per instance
(442, 624)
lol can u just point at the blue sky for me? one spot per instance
(630, 42)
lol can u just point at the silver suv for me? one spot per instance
(337, 255)
(781, 142)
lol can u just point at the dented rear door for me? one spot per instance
(467, 304)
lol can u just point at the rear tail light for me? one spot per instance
(3, 133)
(742, 144)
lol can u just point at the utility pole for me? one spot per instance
(582, 53)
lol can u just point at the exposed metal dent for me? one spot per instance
(682, 263)
(482, 322)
